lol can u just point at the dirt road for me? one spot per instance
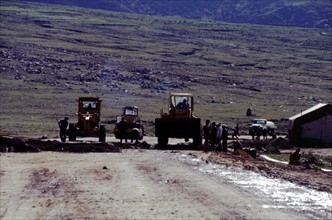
(140, 184)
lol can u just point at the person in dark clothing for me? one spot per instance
(236, 132)
(218, 146)
(213, 134)
(264, 133)
(206, 133)
(224, 138)
(63, 124)
(123, 129)
(294, 158)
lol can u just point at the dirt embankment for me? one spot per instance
(8, 144)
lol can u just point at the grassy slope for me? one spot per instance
(299, 13)
(50, 55)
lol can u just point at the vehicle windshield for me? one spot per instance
(181, 102)
(89, 105)
(130, 111)
(261, 122)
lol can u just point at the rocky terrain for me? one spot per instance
(50, 58)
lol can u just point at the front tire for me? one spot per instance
(197, 141)
(135, 135)
(162, 141)
(72, 132)
(102, 133)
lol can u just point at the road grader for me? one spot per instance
(134, 128)
(179, 121)
(88, 124)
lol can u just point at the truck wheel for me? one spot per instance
(72, 132)
(102, 133)
(197, 141)
(162, 141)
(135, 135)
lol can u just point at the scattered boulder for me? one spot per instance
(249, 112)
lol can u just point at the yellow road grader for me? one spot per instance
(88, 124)
(134, 129)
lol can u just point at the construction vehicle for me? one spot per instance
(179, 121)
(134, 129)
(88, 124)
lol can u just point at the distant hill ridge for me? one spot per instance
(300, 13)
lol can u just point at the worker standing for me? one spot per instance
(63, 124)
(224, 138)
(207, 133)
(123, 129)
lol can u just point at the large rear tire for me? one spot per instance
(72, 132)
(135, 135)
(197, 141)
(162, 141)
(102, 133)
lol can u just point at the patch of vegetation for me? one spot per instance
(280, 157)
(309, 159)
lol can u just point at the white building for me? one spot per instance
(312, 127)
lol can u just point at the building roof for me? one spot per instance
(310, 114)
(314, 108)
(180, 94)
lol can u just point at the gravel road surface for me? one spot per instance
(134, 184)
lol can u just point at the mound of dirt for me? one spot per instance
(256, 144)
(8, 144)
(275, 145)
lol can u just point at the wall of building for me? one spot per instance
(320, 129)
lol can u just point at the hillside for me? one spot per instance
(50, 55)
(301, 13)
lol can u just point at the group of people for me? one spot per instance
(260, 132)
(216, 136)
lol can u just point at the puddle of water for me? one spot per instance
(285, 194)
